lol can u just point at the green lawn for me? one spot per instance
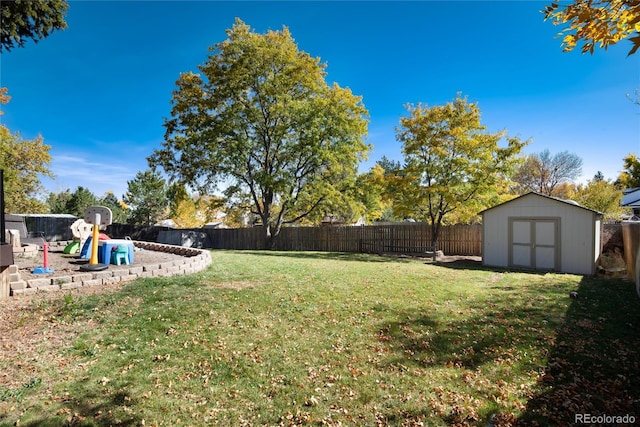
(289, 338)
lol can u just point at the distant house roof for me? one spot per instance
(631, 197)
(567, 202)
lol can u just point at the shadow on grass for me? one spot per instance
(497, 334)
(588, 355)
(92, 408)
(468, 339)
(594, 364)
(468, 264)
(330, 256)
(462, 264)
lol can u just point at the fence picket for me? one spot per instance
(394, 238)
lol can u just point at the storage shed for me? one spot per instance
(539, 232)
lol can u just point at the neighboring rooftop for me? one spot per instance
(631, 197)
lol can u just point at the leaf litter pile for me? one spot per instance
(264, 338)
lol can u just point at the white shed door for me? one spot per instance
(534, 243)
(521, 244)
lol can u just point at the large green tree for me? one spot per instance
(451, 162)
(23, 162)
(596, 22)
(262, 119)
(147, 198)
(79, 201)
(30, 19)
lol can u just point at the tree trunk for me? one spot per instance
(271, 235)
(435, 235)
(269, 238)
(272, 231)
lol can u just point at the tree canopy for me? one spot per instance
(193, 211)
(118, 211)
(79, 201)
(600, 194)
(630, 176)
(147, 198)
(30, 19)
(596, 22)
(544, 173)
(4, 97)
(23, 162)
(262, 120)
(451, 162)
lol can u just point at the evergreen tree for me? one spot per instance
(147, 197)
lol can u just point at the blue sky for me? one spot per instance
(99, 91)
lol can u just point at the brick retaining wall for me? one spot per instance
(193, 260)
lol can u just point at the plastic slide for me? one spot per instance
(71, 248)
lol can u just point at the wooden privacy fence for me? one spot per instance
(395, 238)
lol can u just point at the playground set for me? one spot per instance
(98, 248)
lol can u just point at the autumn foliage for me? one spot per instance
(600, 23)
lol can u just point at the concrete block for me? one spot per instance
(24, 292)
(61, 279)
(82, 277)
(110, 280)
(92, 282)
(167, 264)
(102, 274)
(136, 270)
(39, 283)
(150, 267)
(71, 285)
(173, 270)
(120, 273)
(20, 284)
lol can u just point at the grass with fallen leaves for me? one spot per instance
(278, 338)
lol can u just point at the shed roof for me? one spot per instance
(555, 199)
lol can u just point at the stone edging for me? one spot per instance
(193, 260)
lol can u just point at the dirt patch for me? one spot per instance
(65, 265)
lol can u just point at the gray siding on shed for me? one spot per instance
(578, 231)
